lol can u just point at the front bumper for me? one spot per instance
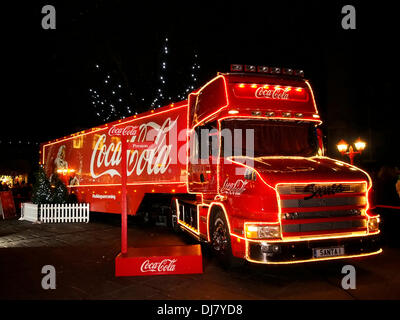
(302, 251)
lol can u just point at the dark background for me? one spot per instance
(47, 74)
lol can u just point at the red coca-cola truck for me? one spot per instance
(240, 165)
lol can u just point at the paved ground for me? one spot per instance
(83, 255)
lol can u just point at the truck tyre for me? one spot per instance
(221, 242)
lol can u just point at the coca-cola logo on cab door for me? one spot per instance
(166, 265)
(234, 188)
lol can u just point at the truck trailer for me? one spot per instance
(239, 165)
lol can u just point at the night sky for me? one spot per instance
(48, 73)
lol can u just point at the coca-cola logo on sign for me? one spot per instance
(275, 93)
(166, 265)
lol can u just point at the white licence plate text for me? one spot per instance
(328, 252)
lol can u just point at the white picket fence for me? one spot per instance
(59, 213)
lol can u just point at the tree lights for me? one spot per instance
(112, 101)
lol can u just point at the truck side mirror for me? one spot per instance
(320, 137)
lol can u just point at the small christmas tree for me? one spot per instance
(45, 191)
(59, 192)
(41, 192)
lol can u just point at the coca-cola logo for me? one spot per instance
(152, 153)
(275, 93)
(125, 131)
(234, 188)
(320, 191)
(166, 265)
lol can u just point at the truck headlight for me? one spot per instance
(373, 224)
(254, 231)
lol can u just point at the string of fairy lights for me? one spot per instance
(162, 77)
(111, 100)
(18, 142)
(194, 78)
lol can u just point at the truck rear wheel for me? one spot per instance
(221, 241)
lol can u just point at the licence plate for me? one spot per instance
(328, 252)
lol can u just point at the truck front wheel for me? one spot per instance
(221, 241)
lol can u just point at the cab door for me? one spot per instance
(203, 159)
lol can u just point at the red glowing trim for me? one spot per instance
(269, 117)
(129, 184)
(312, 95)
(219, 110)
(313, 259)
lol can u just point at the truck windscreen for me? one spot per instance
(271, 138)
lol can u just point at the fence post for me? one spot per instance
(87, 213)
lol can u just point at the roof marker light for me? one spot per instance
(270, 114)
(236, 67)
(256, 113)
(287, 71)
(254, 85)
(275, 70)
(249, 68)
(263, 69)
(298, 115)
(241, 85)
(299, 73)
(286, 114)
(233, 111)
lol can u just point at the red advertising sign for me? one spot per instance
(7, 206)
(159, 261)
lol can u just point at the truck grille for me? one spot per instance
(321, 214)
(323, 226)
(324, 202)
(304, 202)
(302, 188)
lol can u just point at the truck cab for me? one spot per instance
(262, 188)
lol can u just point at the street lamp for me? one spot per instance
(342, 147)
